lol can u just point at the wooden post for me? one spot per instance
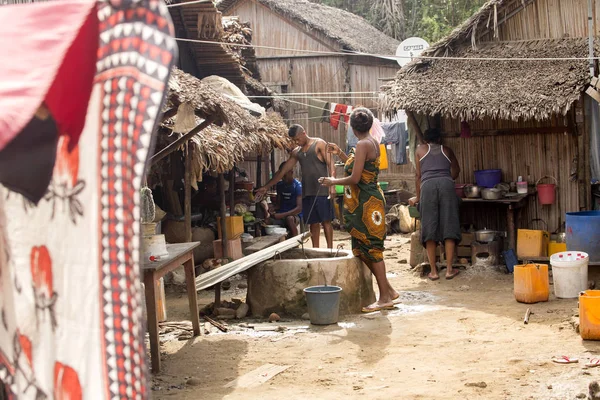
(273, 171)
(224, 240)
(259, 170)
(188, 192)
(413, 119)
(232, 191)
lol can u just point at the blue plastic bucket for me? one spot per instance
(488, 178)
(323, 304)
(583, 233)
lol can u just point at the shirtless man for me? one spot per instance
(317, 209)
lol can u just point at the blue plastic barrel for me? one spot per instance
(583, 233)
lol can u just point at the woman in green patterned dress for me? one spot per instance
(364, 204)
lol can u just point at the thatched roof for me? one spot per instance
(218, 148)
(498, 89)
(494, 88)
(352, 32)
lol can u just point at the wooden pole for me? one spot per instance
(259, 170)
(232, 191)
(224, 241)
(188, 192)
(273, 171)
(175, 145)
(414, 121)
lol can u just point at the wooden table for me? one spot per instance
(512, 204)
(180, 253)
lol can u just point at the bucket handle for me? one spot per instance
(547, 176)
(540, 220)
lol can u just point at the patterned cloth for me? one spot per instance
(70, 293)
(364, 212)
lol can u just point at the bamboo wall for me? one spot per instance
(552, 19)
(534, 154)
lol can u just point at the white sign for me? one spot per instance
(410, 48)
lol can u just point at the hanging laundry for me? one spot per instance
(326, 113)
(465, 130)
(377, 131)
(339, 111)
(397, 136)
(316, 108)
(351, 139)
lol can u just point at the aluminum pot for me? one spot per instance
(492, 194)
(485, 236)
(472, 191)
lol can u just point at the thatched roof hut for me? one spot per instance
(219, 148)
(502, 89)
(505, 89)
(352, 32)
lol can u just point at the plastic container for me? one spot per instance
(383, 159)
(546, 191)
(531, 283)
(583, 233)
(555, 247)
(488, 178)
(339, 189)
(323, 304)
(383, 185)
(234, 227)
(589, 315)
(522, 187)
(532, 243)
(459, 189)
(570, 273)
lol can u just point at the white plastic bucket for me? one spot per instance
(570, 273)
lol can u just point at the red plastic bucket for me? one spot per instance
(546, 191)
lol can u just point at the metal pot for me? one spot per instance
(471, 191)
(492, 194)
(485, 236)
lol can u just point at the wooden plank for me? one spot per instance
(188, 192)
(263, 242)
(257, 377)
(175, 145)
(594, 82)
(593, 93)
(218, 275)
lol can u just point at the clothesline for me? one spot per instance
(392, 57)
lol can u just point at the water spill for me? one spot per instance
(346, 325)
(416, 297)
(403, 309)
(391, 275)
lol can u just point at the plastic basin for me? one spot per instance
(488, 178)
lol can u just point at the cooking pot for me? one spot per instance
(485, 236)
(471, 191)
(492, 194)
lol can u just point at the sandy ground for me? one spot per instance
(462, 339)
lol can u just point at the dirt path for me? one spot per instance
(463, 338)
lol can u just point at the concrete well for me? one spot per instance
(277, 285)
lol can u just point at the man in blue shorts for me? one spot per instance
(288, 208)
(317, 209)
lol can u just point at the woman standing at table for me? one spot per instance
(364, 204)
(437, 168)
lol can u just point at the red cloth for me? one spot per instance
(55, 64)
(339, 111)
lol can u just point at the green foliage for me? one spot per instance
(429, 19)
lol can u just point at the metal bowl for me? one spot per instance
(472, 191)
(485, 236)
(492, 194)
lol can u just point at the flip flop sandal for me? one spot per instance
(396, 298)
(449, 277)
(367, 310)
(565, 360)
(594, 362)
(433, 279)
